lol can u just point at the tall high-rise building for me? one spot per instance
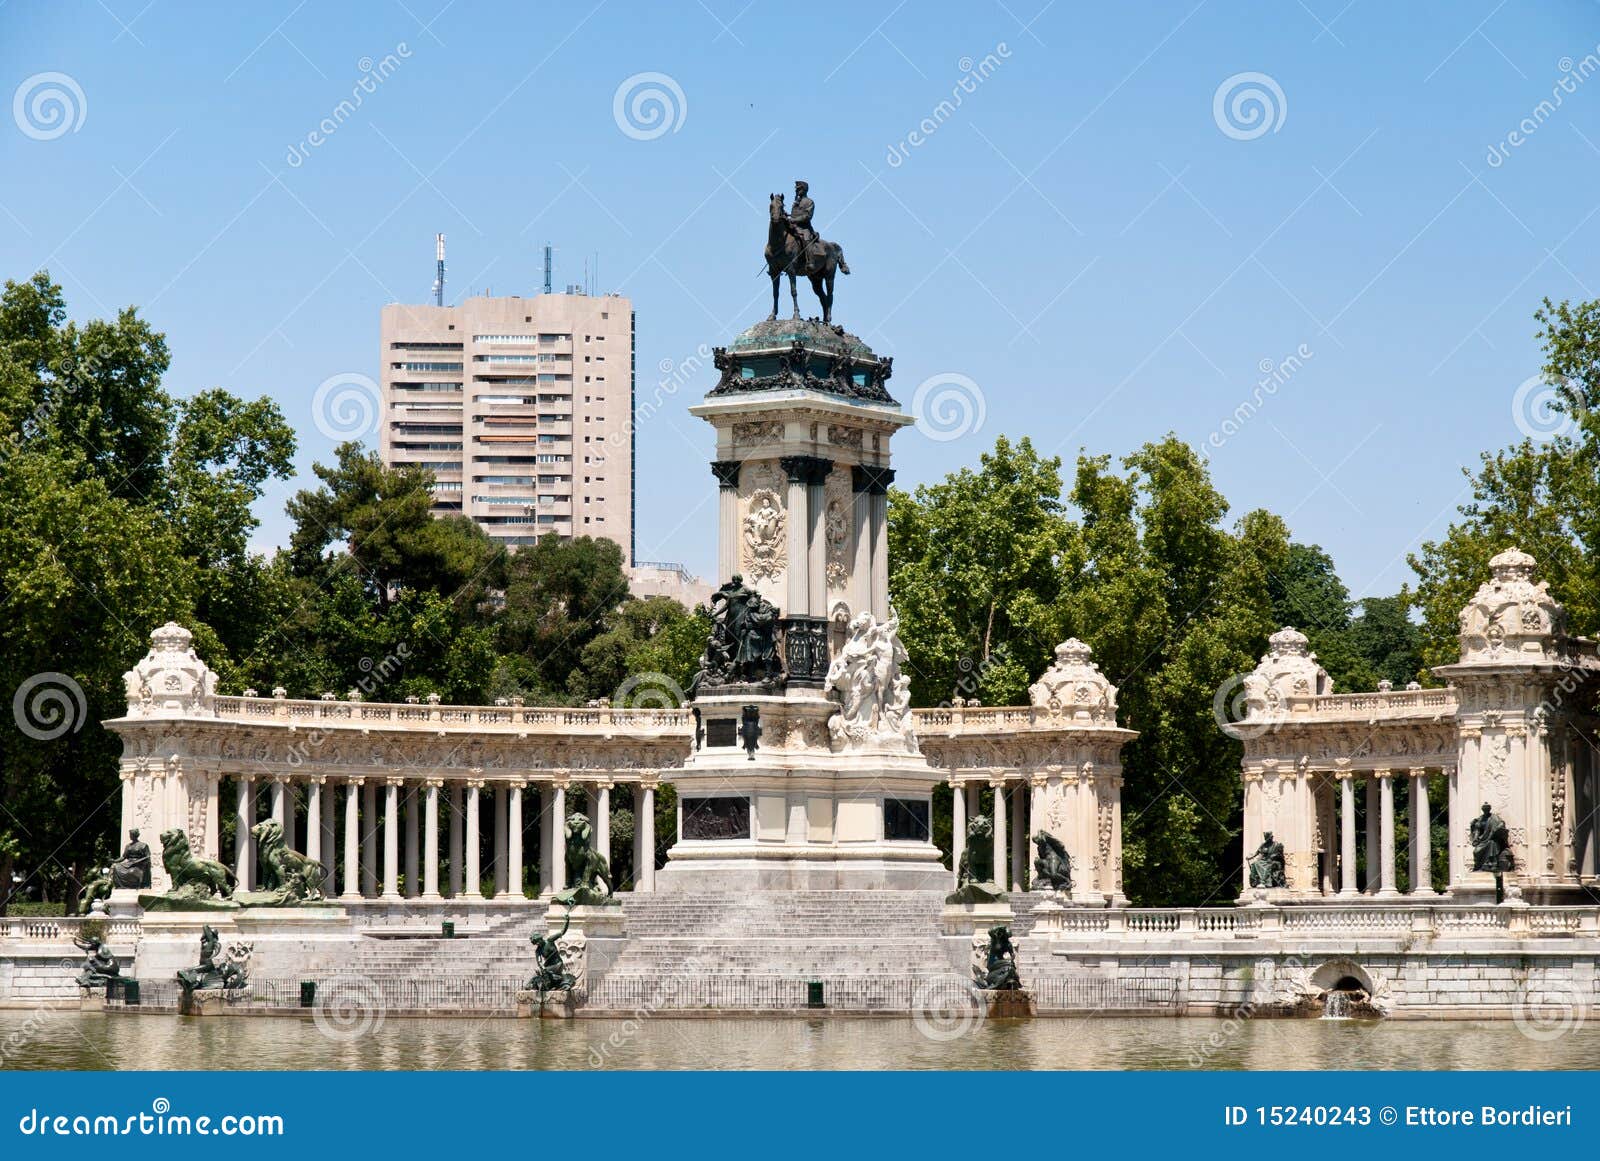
(523, 408)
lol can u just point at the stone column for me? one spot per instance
(314, 821)
(817, 539)
(352, 839)
(430, 841)
(1386, 885)
(798, 600)
(1421, 834)
(1452, 846)
(244, 843)
(1373, 858)
(546, 847)
(500, 815)
(728, 539)
(602, 826)
(860, 593)
(879, 508)
(391, 838)
(330, 830)
(644, 827)
(1019, 837)
(278, 807)
(413, 855)
(458, 825)
(558, 850)
(958, 825)
(1347, 832)
(473, 885)
(999, 831)
(514, 840)
(369, 836)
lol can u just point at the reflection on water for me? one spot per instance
(73, 1040)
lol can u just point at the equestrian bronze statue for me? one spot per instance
(793, 248)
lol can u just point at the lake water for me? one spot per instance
(73, 1040)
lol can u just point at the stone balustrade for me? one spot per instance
(1441, 921)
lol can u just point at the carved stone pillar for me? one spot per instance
(430, 840)
(501, 811)
(352, 839)
(1000, 840)
(314, 821)
(644, 828)
(330, 829)
(727, 473)
(474, 883)
(874, 481)
(1374, 859)
(602, 826)
(458, 826)
(391, 837)
(1347, 832)
(1019, 836)
(1386, 884)
(797, 601)
(558, 829)
(369, 838)
(514, 840)
(958, 825)
(1421, 835)
(244, 843)
(413, 834)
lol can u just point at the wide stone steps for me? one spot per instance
(760, 949)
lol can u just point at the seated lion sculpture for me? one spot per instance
(294, 877)
(193, 876)
(587, 870)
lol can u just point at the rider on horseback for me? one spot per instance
(800, 216)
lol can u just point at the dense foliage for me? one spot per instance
(125, 508)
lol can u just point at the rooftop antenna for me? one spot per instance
(438, 278)
(548, 265)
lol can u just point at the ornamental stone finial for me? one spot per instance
(1074, 686)
(1510, 616)
(1287, 669)
(171, 681)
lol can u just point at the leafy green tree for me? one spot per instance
(1541, 497)
(124, 509)
(975, 568)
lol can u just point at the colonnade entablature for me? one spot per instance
(1513, 730)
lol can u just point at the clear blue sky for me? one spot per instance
(1081, 238)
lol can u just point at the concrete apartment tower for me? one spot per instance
(523, 409)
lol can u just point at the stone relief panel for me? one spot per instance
(765, 535)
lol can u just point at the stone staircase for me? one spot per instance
(758, 950)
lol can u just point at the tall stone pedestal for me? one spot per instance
(795, 812)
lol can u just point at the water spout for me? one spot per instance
(1337, 1006)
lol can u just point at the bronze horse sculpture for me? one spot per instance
(787, 254)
